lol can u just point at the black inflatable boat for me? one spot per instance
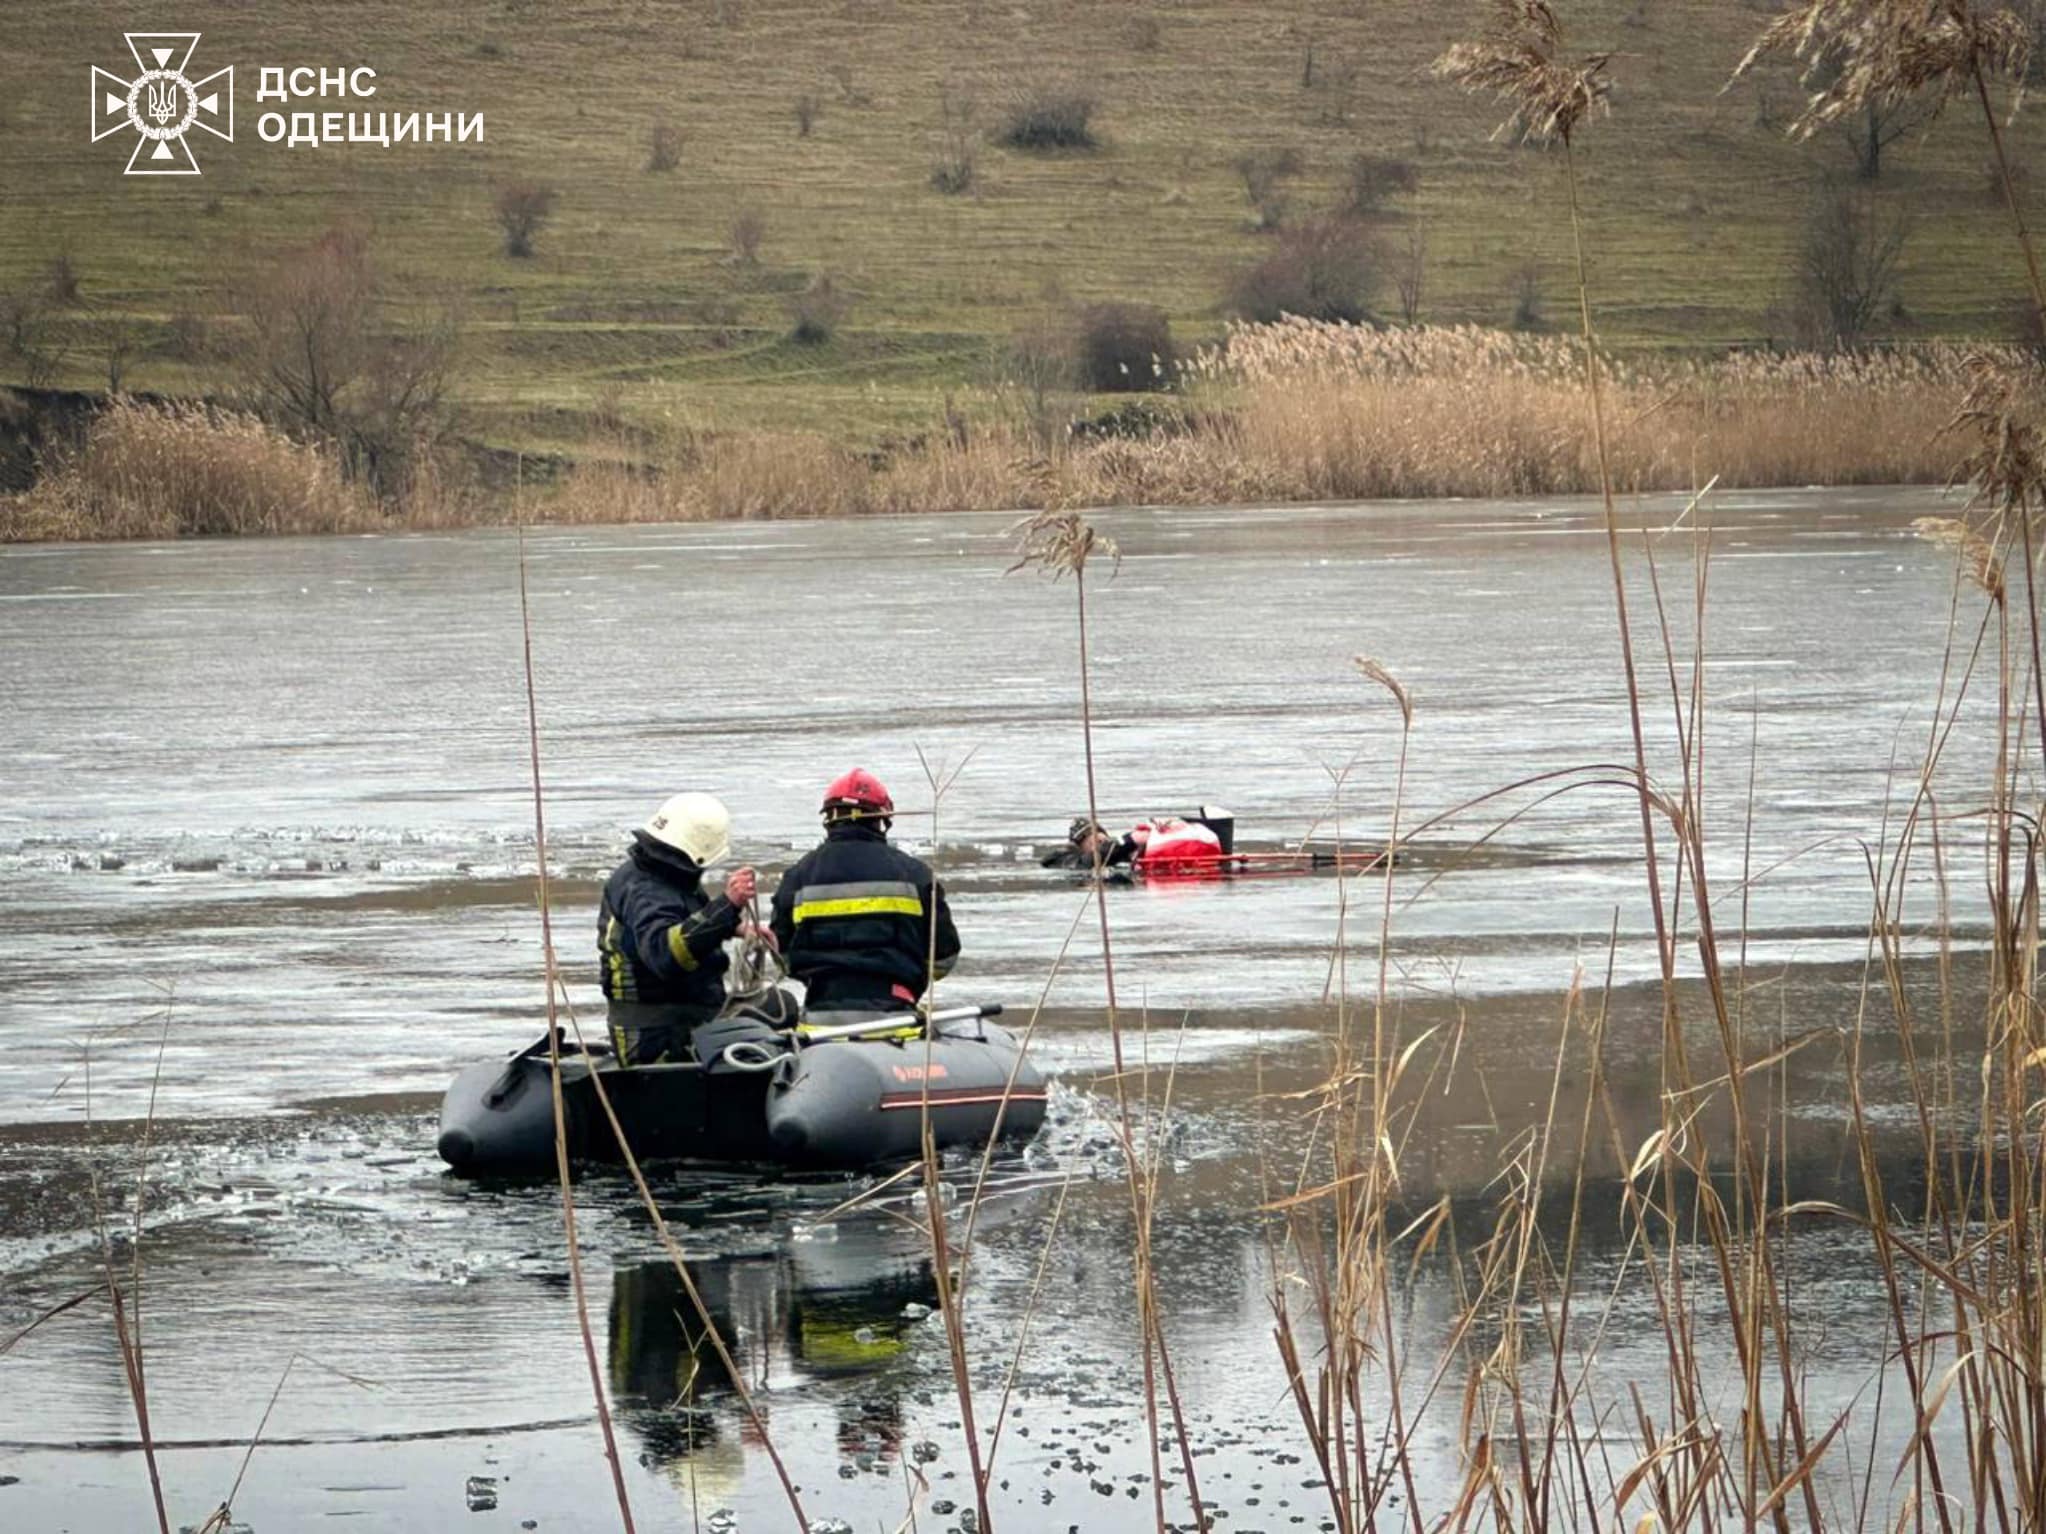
(828, 1097)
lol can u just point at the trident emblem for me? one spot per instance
(164, 101)
(162, 104)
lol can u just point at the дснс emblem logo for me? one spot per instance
(161, 104)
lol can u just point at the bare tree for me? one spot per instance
(1335, 87)
(749, 229)
(1329, 269)
(1264, 173)
(1409, 267)
(818, 310)
(114, 339)
(1871, 131)
(1372, 179)
(1039, 364)
(953, 171)
(1844, 271)
(664, 146)
(1868, 133)
(523, 208)
(60, 278)
(1527, 298)
(33, 336)
(323, 359)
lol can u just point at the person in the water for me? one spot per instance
(862, 924)
(661, 935)
(1165, 845)
(1084, 838)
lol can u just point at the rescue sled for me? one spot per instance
(1174, 849)
(846, 1096)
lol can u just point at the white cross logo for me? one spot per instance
(161, 104)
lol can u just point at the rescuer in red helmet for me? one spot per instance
(863, 925)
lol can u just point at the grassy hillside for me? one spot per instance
(634, 308)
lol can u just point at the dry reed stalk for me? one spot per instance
(221, 1518)
(713, 1334)
(951, 1278)
(125, 1340)
(1059, 543)
(575, 1262)
(51, 1314)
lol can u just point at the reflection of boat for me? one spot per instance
(836, 1311)
(826, 1097)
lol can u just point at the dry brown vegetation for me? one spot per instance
(150, 470)
(1284, 412)
(1302, 411)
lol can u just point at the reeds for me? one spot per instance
(1305, 410)
(177, 470)
(1293, 411)
(1707, 1207)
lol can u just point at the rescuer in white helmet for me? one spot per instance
(661, 937)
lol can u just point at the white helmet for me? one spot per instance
(696, 825)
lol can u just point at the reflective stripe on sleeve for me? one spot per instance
(678, 947)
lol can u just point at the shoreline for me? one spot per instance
(1291, 413)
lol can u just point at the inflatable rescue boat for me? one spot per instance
(845, 1096)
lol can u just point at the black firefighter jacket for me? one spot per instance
(855, 921)
(660, 938)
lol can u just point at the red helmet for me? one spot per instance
(858, 795)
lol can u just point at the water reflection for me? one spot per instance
(833, 1316)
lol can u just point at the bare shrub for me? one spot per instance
(1372, 180)
(1264, 173)
(1844, 271)
(1049, 116)
(1329, 269)
(523, 209)
(818, 310)
(808, 109)
(60, 280)
(848, 85)
(1335, 89)
(322, 359)
(182, 470)
(1526, 291)
(1992, 179)
(1124, 347)
(1409, 270)
(953, 168)
(664, 146)
(748, 233)
(116, 341)
(1146, 35)
(188, 337)
(33, 336)
(1037, 366)
(1869, 133)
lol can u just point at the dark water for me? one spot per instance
(279, 789)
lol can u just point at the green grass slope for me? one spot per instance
(633, 307)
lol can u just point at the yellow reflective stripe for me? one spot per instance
(679, 947)
(886, 1035)
(620, 986)
(866, 905)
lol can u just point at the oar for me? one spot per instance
(888, 1022)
